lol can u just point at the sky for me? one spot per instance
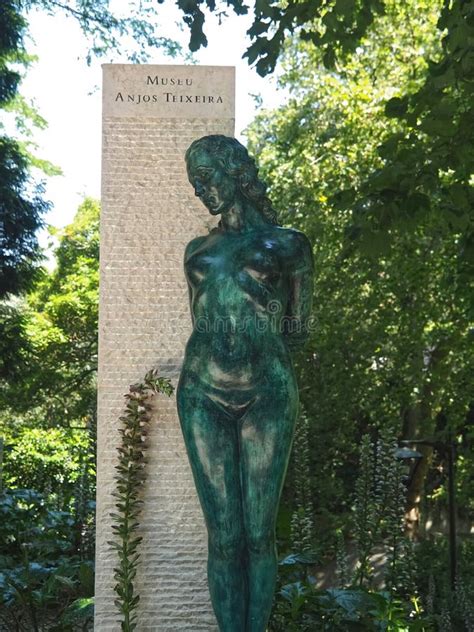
(67, 93)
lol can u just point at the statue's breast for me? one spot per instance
(262, 263)
(204, 265)
(235, 259)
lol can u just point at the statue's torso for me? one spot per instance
(239, 284)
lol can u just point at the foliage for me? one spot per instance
(14, 345)
(131, 473)
(378, 518)
(108, 29)
(334, 27)
(21, 203)
(45, 582)
(416, 592)
(20, 218)
(302, 520)
(48, 426)
(428, 164)
(391, 342)
(440, 602)
(51, 461)
(379, 508)
(379, 503)
(299, 607)
(50, 377)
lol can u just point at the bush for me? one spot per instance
(46, 581)
(49, 460)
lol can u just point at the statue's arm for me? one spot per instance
(190, 297)
(192, 246)
(297, 317)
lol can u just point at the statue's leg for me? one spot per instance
(266, 438)
(212, 444)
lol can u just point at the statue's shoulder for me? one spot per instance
(297, 247)
(193, 245)
(294, 239)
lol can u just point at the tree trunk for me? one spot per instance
(418, 424)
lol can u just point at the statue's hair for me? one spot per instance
(236, 162)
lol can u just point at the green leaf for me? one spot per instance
(65, 581)
(80, 610)
(294, 590)
(329, 58)
(445, 109)
(418, 203)
(351, 600)
(300, 558)
(459, 194)
(438, 127)
(345, 7)
(256, 49)
(257, 28)
(396, 107)
(389, 148)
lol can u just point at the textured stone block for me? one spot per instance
(149, 213)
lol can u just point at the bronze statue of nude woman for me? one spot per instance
(250, 286)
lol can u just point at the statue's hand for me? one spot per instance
(296, 333)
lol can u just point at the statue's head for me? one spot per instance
(220, 169)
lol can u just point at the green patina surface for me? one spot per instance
(250, 285)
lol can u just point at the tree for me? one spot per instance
(428, 163)
(48, 427)
(335, 28)
(22, 203)
(52, 376)
(109, 29)
(403, 185)
(48, 381)
(390, 345)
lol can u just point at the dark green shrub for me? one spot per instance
(45, 582)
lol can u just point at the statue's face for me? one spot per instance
(216, 189)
